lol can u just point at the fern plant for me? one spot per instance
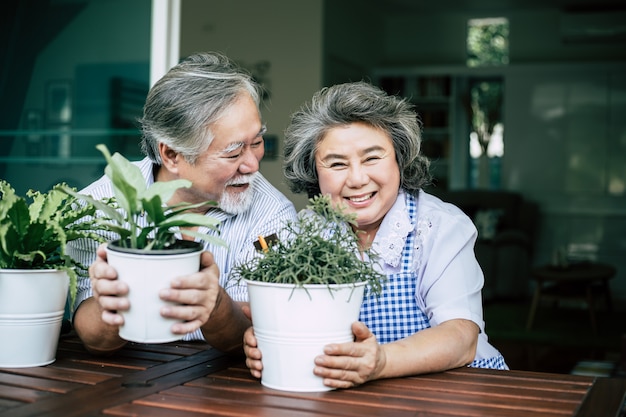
(134, 199)
(320, 247)
(34, 232)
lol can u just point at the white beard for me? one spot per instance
(237, 203)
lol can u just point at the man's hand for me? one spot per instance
(198, 294)
(108, 291)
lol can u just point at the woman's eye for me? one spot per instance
(337, 165)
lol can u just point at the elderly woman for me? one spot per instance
(362, 147)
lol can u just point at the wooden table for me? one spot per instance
(184, 379)
(581, 281)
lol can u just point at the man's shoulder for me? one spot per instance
(102, 187)
(269, 196)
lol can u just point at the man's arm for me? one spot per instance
(225, 328)
(97, 336)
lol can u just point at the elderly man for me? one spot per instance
(202, 123)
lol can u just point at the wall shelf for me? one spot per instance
(434, 97)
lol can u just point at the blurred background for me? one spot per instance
(522, 97)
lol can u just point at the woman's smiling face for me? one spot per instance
(356, 165)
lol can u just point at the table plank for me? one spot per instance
(7, 404)
(219, 402)
(606, 394)
(189, 380)
(60, 374)
(127, 388)
(40, 384)
(26, 395)
(465, 393)
(188, 399)
(134, 410)
(412, 387)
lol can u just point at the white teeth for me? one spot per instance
(359, 199)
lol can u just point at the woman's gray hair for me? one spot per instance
(181, 106)
(342, 105)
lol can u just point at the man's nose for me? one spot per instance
(250, 162)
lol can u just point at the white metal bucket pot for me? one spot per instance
(32, 304)
(292, 326)
(146, 274)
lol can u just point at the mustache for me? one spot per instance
(243, 179)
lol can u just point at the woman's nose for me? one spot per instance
(357, 176)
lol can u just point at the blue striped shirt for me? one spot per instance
(269, 212)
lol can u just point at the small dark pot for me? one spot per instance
(180, 247)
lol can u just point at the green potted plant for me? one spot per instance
(36, 274)
(147, 254)
(305, 291)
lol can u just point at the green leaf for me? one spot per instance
(105, 206)
(319, 247)
(134, 199)
(8, 197)
(207, 238)
(154, 209)
(8, 244)
(190, 220)
(18, 215)
(126, 179)
(35, 235)
(46, 206)
(164, 189)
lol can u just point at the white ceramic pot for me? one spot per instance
(147, 273)
(292, 326)
(32, 303)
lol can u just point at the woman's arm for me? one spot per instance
(449, 345)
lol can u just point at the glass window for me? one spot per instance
(487, 42)
(76, 74)
(486, 141)
(487, 45)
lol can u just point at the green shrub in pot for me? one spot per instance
(148, 254)
(134, 199)
(305, 291)
(34, 233)
(36, 273)
(321, 248)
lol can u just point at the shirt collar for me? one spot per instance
(392, 234)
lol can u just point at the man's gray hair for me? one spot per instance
(185, 102)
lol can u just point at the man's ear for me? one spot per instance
(169, 157)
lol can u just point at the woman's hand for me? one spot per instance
(350, 364)
(250, 348)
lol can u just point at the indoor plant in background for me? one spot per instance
(148, 255)
(36, 274)
(305, 291)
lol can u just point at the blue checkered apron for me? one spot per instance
(394, 314)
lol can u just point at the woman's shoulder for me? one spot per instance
(441, 215)
(431, 204)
